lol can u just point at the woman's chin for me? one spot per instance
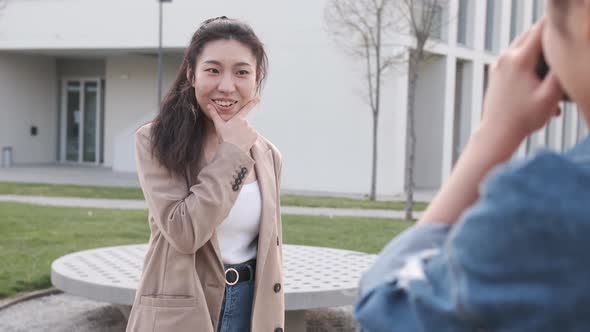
(225, 116)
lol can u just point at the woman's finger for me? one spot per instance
(246, 109)
(214, 116)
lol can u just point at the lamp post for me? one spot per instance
(160, 52)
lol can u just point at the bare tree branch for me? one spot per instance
(358, 27)
(365, 29)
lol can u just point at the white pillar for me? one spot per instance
(575, 119)
(557, 128)
(505, 11)
(478, 64)
(449, 106)
(449, 116)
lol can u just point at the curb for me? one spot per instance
(28, 296)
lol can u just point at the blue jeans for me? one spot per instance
(236, 310)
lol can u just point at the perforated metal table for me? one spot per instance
(314, 277)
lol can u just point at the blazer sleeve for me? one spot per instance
(187, 219)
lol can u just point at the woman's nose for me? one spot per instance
(226, 84)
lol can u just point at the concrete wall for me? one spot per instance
(80, 67)
(28, 95)
(130, 101)
(313, 107)
(429, 116)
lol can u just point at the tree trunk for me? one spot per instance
(373, 194)
(411, 135)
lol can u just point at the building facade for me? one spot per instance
(77, 78)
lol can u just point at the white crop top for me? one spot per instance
(238, 233)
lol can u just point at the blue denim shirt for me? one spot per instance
(517, 260)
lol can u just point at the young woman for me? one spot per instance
(511, 252)
(211, 183)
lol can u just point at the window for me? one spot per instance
(466, 23)
(462, 28)
(438, 11)
(516, 18)
(538, 9)
(490, 25)
(437, 22)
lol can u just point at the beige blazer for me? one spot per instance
(182, 284)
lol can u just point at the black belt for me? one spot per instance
(240, 272)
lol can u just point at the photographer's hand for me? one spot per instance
(516, 104)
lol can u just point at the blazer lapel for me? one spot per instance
(264, 167)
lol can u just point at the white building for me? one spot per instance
(77, 77)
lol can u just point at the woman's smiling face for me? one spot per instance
(225, 77)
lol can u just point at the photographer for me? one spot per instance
(502, 247)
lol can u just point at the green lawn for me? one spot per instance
(348, 203)
(40, 189)
(64, 190)
(33, 236)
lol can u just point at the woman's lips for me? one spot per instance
(224, 106)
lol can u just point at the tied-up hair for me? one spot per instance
(178, 131)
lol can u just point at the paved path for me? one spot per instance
(84, 175)
(63, 312)
(140, 205)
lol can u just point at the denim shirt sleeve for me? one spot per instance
(416, 241)
(481, 277)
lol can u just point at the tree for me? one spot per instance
(359, 27)
(424, 18)
(369, 29)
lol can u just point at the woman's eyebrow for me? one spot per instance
(215, 62)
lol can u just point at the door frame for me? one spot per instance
(63, 119)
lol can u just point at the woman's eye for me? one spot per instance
(212, 70)
(243, 72)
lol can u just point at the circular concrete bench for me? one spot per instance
(315, 277)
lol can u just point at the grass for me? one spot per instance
(64, 190)
(347, 203)
(360, 234)
(59, 190)
(34, 236)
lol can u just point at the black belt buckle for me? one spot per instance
(233, 276)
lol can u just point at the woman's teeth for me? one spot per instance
(224, 103)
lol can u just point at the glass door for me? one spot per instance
(81, 121)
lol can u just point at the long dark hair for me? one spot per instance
(178, 131)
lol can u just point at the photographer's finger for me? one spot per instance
(549, 91)
(517, 42)
(532, 46)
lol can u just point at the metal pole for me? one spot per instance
(160, 57)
